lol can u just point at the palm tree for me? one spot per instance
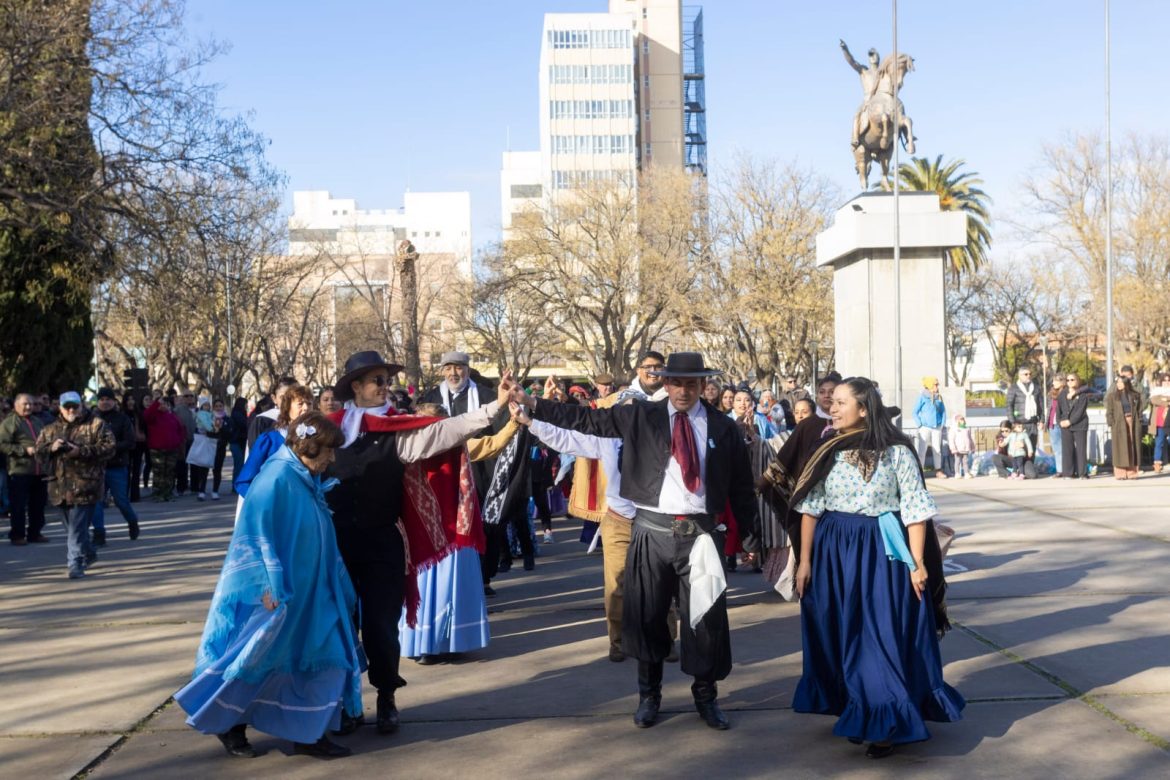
(956, 192)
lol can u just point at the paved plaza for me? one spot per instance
(1060, 646)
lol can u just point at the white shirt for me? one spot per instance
(675, 499)
(584, 445)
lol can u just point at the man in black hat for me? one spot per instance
(682, 464)
(368, 501)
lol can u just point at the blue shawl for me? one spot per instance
(283, 545)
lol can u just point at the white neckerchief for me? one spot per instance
(822, 413)
(472, 398)
(351, 423)
(657, 395)
(270, 414)
(1030, 410)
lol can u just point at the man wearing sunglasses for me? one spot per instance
(76, 447)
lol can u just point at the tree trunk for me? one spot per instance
(408, 274)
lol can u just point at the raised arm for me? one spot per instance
(849, 57)
(487, 447)
(426, 442)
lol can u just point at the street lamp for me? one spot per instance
(813, 345)
(1044, 361)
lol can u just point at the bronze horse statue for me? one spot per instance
(875, 126)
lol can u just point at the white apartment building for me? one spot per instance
(437, 223)
(619, 91)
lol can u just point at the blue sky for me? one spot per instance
(367, 98)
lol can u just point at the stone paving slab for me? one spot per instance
(50, 758)
(1064, 739)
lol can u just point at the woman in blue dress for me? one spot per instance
(279, 650)
(870, 639)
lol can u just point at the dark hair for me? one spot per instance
(240, 405)
(327, 434)
(806, 400)
(295, 392)
(1005, 424)
(284, 381)
(835, 378)
(652, 354)
(880, 432)
(1126, 367)
(1126, 383)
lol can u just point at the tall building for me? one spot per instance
(619, 92)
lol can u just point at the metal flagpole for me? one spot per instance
(1109, 373)
(897, 232)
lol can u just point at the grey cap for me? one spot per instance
(462, 358)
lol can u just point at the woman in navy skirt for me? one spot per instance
(870, 639)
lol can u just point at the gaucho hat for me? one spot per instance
(358, 364)
(685, 364)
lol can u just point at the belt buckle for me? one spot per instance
(684, 526)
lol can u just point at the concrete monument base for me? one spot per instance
(859, 246)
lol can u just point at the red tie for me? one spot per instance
(682, 448)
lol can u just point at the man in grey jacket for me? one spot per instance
(1025, 404)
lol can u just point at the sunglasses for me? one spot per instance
(380, 380)
(70, 406)
(650, 367)
(1071, 378)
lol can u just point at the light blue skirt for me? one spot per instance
(298, 706)
(452, 613)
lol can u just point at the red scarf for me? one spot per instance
(440, 510)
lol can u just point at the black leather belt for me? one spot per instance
(678, 525)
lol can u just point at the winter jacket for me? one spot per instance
(78, 476)
(960, 440)
(930, 413)
(124, 440)
(1017, 403)
(187, 418)
(164, 431)
(17, 434)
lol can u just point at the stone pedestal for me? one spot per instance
(859, 246)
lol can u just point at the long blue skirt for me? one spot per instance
(870, 649)
(298, 706)
(452, 613)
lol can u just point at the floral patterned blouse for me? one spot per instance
(895, 486)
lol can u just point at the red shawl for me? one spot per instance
(440, 510)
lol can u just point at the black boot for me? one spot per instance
(133, 529)
(529, 562)
(387, 722)
(349, 724)
(235, 742)
(322, 748)
(705, 693)
(649, 694)
(99, 537)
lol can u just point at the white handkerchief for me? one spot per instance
(707, 579)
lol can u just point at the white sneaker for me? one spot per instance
(548, 537)
(214, 496)
(202, 496)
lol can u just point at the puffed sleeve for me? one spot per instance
(814, 503)
(914, 501)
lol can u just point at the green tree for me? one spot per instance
(49, 160)
(956, 192)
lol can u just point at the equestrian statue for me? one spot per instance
(881, 117)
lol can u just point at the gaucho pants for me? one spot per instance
(657, 571)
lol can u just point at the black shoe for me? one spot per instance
(133, 530)
(91, 558)
(349, 725)
(672, 656)
(322, 748)
(505, 566)
(647, 714)
(489, 591)
(99, 537)
(387, 722)
(616, 655)
(235, 742)
(529, 563)
(878, 751)
(39, 539)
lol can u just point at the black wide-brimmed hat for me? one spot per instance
(358, 364)
(685, 364)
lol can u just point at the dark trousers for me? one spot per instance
(147, 468)
(1018, 463)
(540, 499)
(237, 461)
(495, 538)
(199, 479)
(519, 523)
(657, 572)
(137, 455)
(376, 564)
(1074, 452)
(181, 470)
(27, 496)
(221, 446)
